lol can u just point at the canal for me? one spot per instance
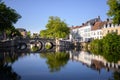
(56, 65)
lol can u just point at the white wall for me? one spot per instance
(96, 34)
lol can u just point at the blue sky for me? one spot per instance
(35, 13)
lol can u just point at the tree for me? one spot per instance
(12, 32)
(43, 33)
(8, 17)
(29, 34)
(56, 28)
(114, 10)
(96, 46)
(108, 47)
(111, 47)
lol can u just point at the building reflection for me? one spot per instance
(96, 62)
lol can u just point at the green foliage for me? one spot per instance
(43, 33)
(56, 60)
(35, 48)
(116, 75)
(48, 45)
(108, 47)
(12, 32)
(8, 17)
(96, 46)
(111, 47)
(114, 10)
(55, 28)
(29, 34)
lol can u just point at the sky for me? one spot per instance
(35, 13)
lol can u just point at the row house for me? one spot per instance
(93, 29)
(96, 31)
(109, 27)
(83, 33)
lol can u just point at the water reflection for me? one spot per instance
(6, 71)
(55, 60)
(72, 64)
(96, 62)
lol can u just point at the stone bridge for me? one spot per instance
(23, 43)
(35, 43)
(40, 42)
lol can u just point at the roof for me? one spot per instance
(91, 22)
(75, 27)
(98, 25)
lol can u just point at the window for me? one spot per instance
(108, 31)
(106, 25)
(97, 33)
(110, 24)
(116, 31)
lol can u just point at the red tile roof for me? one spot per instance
(98, 25)
(75, 27)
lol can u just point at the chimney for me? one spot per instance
(82, 24)
(98, 17)
(108, 20)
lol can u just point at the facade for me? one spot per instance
(93, 29)
(22, 31)
(74, 35)
(110, 28)
(83, 33)
(96, 31)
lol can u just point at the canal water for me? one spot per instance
(56, 65)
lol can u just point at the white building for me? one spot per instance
(96, 31)
(83, 33)
(74, 33)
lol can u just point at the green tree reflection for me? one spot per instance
(35, 48)
(116, 75)
(55, 60)
(6, 71)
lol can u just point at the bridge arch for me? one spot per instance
(49, 44)
(38, 44)
(21, 46)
